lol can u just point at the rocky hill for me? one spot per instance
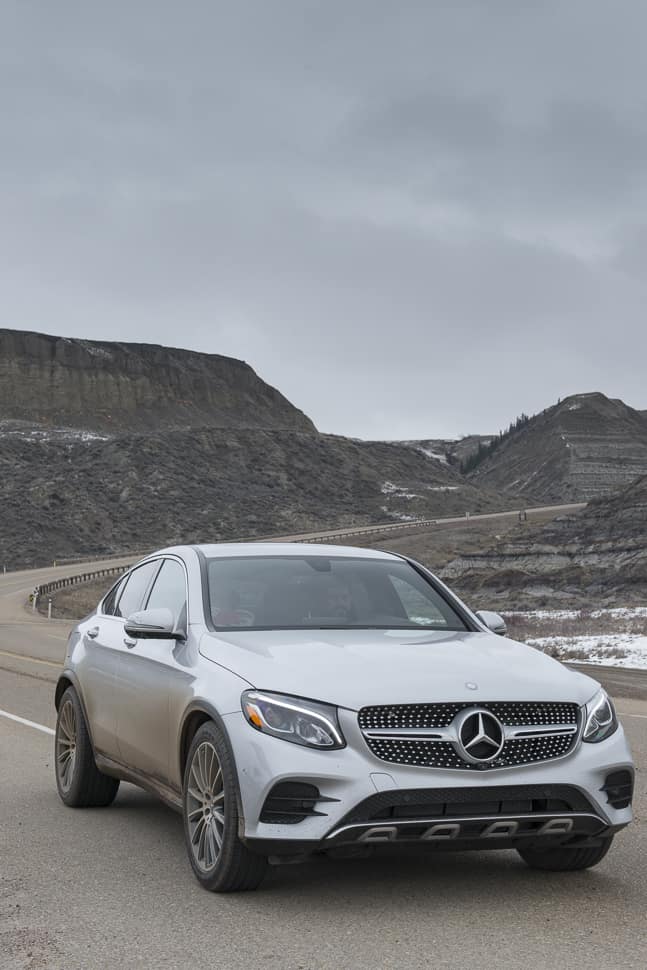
(585, 446)
(138, 491)
(110, 447)
(111, 388)
(597, 557)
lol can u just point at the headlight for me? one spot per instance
(302, 722)
(601, 720)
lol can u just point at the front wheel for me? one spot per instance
(219, 859)
(565, 859)
(80, 783)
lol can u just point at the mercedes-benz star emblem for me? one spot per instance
(480, 735)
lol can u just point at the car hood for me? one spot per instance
(354, 668)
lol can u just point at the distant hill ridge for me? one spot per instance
(111, 388)
(112, 446)
(109, 446)
(584, 446)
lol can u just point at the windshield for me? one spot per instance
(320, 592)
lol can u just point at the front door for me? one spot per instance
(146, 672)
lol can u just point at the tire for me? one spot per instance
(564, 859)
(80, 783)
(219, 859)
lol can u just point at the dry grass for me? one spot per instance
(525, 626)
(564, 651)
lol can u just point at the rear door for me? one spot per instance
(147, 672)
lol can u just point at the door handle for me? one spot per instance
(130, 643)
(93, 633)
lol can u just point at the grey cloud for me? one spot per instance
(415, 219)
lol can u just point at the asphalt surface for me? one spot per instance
(112, 888)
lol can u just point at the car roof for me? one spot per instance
(236, 549)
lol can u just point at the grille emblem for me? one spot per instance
(471, 686)
(480, 735)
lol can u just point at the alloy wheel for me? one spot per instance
(205, 806)
(66, 740)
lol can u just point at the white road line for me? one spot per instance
(23, 720)
(31, 660)
(624, 714)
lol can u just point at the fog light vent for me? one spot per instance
(619, 788)
(290, 802)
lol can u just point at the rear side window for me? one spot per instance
(169, 590)
(110, 602)
(137, 582)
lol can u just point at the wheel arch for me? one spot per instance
(62, 684)
(199, 713)
(69, 679)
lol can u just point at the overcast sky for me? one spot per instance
(415, 218)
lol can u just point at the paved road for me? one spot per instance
(23, 633)
(386, 527)
(94, 889)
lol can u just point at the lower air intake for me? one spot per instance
(290, 802)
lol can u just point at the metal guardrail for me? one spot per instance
(376, 530)
(71, 560)
(46, 588)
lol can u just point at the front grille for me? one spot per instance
(434, 753)
(441, 715)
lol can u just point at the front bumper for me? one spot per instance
(366, 801)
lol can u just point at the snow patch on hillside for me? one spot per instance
(434, 454)
(65, 435)
(608, 650)
(396, 491)
(609, 637)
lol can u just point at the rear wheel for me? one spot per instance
(564, 859)
(219, 859)
(80, 783)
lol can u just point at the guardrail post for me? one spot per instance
(49, 608)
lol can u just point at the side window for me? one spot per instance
(110, 602)
(134, 590)
(418, 607)
(169, 590)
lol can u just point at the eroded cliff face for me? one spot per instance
(108, 447)
(597, 557)
(584, 447)
(112, 388)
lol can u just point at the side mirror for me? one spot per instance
(153, 625)
(493, 622)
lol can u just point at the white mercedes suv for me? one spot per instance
(291, 700)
